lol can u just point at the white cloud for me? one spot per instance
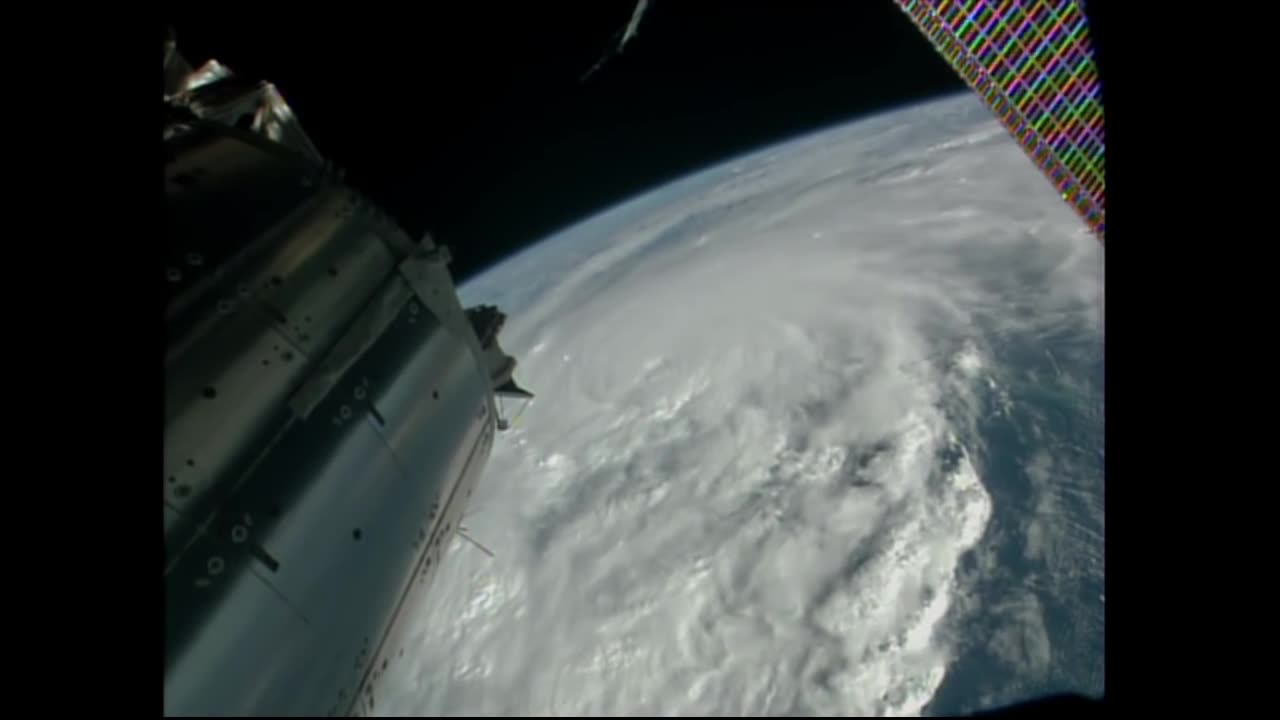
(1021, 639)
(730, 498)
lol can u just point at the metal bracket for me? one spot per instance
(426, 270)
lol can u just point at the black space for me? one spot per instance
(471, 121)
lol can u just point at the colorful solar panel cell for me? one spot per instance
(1031, 62)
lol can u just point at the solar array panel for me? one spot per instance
(1031, 62)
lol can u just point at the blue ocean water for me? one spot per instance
(1033, 623)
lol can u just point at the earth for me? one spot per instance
(817, 431)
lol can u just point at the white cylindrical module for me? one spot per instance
(327, 415)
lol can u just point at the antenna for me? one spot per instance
(463, 533)
(503, 422)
